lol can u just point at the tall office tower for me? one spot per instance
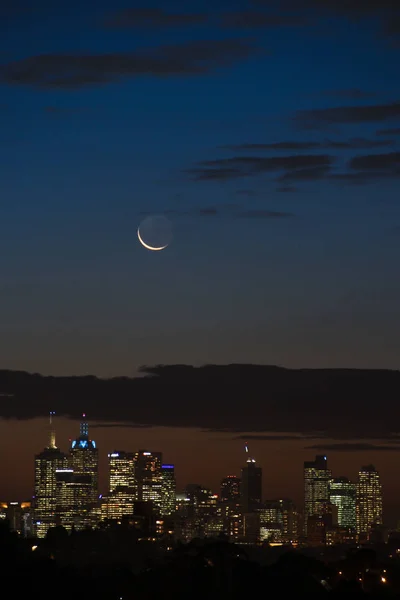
(168, 501)
(45, 501)
(84, 460)
(316, 488)
(72, 493)
(230, 490)
(278, 521)
(368, 500)
(342, 494)
(121, 470)
(149, 477)
(251, 484)
(290, 521)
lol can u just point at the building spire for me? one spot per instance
(249, 459)
(52, 433)
(84, 428)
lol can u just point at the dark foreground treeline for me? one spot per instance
(115, 564)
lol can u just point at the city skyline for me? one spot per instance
(390, 504)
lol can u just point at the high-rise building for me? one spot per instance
(368, 500)
(278, 521)
(290, 521)
(251, 485)
(342, 493)
(121, 470)
(45, 501)
(316, 488)
(84, 460)
(72, 493)
(230, 490)
(19, 516)
(149, 477)
(168, 501)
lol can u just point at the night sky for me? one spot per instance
(268, 133)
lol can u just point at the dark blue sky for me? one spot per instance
(286, 252)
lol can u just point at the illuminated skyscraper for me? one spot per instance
(369, 500)
(342, 493)
(278, 521)
(251, 485)
(72, 493)
(168, 502)
(316, 488)
(149, 477)
(121, 470)
(84, 460)
(45, 501)
(230, 490)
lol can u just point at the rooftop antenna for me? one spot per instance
(84, 428)
(52, 433)
(246, 449)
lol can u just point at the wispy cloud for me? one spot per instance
(152, 17)
(351, 93)
(389, 161)
(347, 114)
(278, 437)
(253, 19)
(125, 425)
(354, 447)
(392, 131)
(229, 210)
(74, 70)
(294, 146)
(245, 166)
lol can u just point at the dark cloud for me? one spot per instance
(244, 166)
(312, 174)
(292, 146)
(359, 144)
(119, 424)
(356, 447)
(231, 210)
(215, 174)
(347, 114)
(253, 19)
(362, 177)
(352, 93)
(345, 8)
(393, 131)
(287, 189)
(389, 161)
(392, 27)
(152, 17)
(17, 8)
(277, 438)
(74, 71)
(217, 393)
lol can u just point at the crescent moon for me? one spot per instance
(147, 246)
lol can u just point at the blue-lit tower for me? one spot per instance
(84, 460)
(168, 498)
